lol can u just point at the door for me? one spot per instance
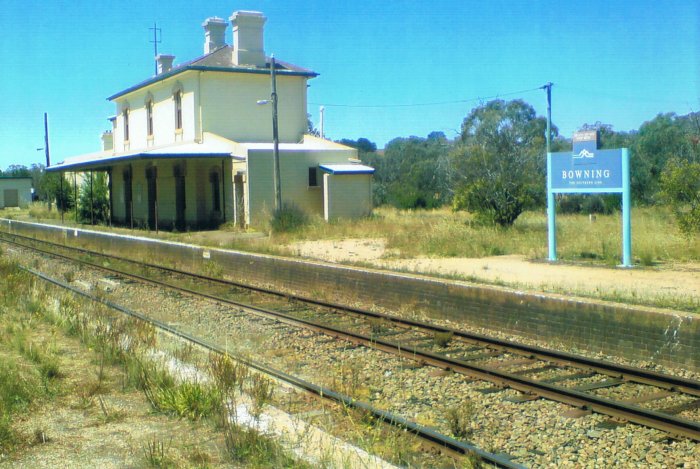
(239, 194)
(180, 207)
(11, 197)
(128, 198)
(151, 180)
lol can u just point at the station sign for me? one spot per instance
(586, 170)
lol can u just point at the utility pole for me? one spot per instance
(46, 149)
(275, 135)
(156, 40)
(548, 87)
(46, 139)
(321, 110)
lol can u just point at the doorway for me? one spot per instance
(180, 205)
(152, 182)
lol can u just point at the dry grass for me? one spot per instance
(443, 233)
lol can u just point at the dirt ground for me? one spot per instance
(658, 283)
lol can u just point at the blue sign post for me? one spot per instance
(588, 170)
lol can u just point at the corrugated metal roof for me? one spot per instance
(346, 168)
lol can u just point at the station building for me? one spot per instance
(15, 191)
(192, 146)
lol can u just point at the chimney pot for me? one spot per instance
(214, 34)
(248, 46)
(165, 62)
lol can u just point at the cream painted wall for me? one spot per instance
(347, 195)
(218, 102)
(164, 132)
(21, 185)
(230, 109)
(294, 174)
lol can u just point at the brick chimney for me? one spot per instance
(214, 34)
(107, 140)
(248, 46)
(165, 63)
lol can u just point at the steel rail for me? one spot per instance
(627, 373)
(449, 443)
(632, 413)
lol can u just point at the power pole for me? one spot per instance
(46, 139)
(46, 149)
(275, 136)
(156, 40)
(321, 110)
(548, 87)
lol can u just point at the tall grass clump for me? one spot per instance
(288, 219)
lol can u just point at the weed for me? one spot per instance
(190, 400)
(442, 339)
(40, 436)
(69, 276)
(459, 419)
(198, 458)
(156, 454)
(213, 269)
(646, 258)
(288, 219)
(260, 390)
(376, 325)
(8, 437)
(227, 373)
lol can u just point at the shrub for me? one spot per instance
(289, 218)
(680, 184)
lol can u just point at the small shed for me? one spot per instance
(15, 191)
(347, 190)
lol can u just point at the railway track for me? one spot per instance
(441, 441)
(534, 371)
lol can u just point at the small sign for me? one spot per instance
(585, 142)
(206, 254)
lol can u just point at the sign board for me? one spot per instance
(587, 170)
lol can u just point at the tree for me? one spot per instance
(17, 170)
(680, 183)
(499, 165)
(414, 172)
(362, 145)
(98, 210)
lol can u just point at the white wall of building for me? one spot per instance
(15, 189)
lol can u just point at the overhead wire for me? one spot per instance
(436, 103)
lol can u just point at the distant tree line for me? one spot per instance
(496, 166)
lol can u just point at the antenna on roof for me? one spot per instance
(157, 39)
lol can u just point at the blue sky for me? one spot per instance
(618, 62)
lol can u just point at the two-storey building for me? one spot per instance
(192, 146)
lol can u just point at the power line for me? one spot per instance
(437, 103)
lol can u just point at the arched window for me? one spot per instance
(149, 118)
(125, 118)
(177, 99)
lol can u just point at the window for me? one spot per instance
(149, 118)
(125, 115)
(313, 177)
(177, 98)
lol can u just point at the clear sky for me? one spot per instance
(618, 62)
